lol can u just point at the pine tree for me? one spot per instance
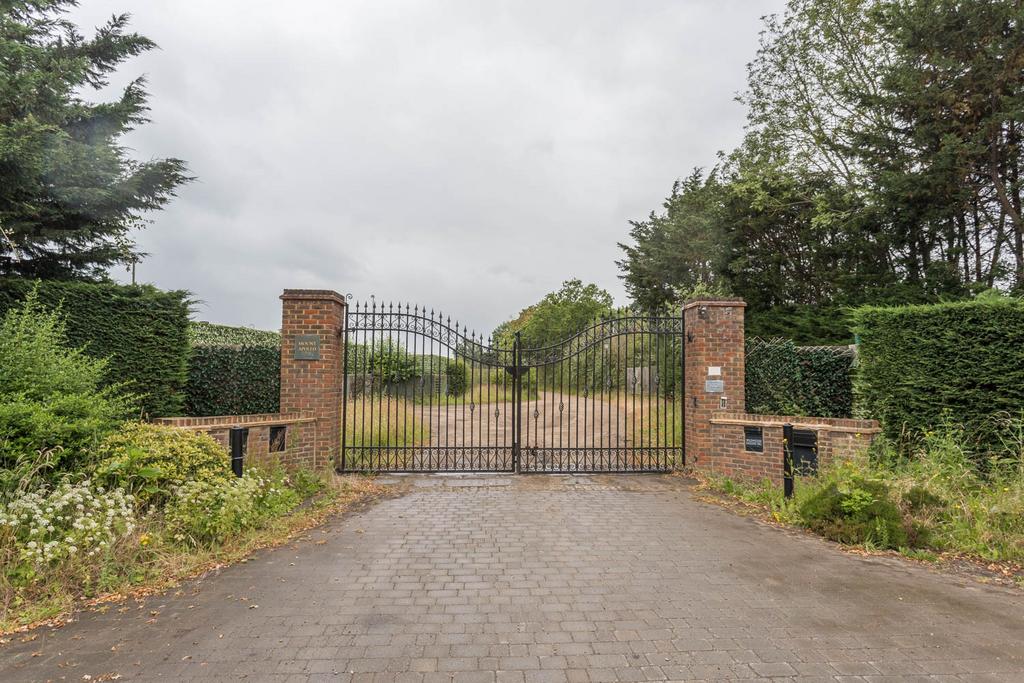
(70, 194)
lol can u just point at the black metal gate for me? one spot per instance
(422, 394)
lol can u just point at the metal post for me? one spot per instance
(787, 460)
(345, 370)
(239, 437)
(517, 403)
(681, 382)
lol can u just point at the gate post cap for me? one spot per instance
(313, 295)
(735, 302)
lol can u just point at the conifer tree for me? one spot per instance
(71, 195)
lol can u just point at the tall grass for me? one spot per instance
(938, 498)
(373, 421)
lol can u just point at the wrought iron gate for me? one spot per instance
(423, 395)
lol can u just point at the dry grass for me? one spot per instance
(378, 421)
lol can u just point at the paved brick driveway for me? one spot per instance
(548, 579)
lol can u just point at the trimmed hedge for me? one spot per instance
(785, 379)
(922, 365)
(804, 324)
(233, 371)
(142, 330)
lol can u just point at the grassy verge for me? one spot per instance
(146, 561)
(938, 505)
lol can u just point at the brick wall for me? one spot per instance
(837, 438)
(314, 386)
(715, 410)
(300, 436)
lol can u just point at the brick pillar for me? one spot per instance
(312, 349)
(714, 369)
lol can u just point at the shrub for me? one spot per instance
(855, 509)
(142, 330)
(917, 365)
(44, 527)
(53, 407)
(785, 379)
(232, 371)
(151, 460)
(457, 378)
(206, 512)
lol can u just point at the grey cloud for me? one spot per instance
(468, 156)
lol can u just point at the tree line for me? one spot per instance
(881, 163)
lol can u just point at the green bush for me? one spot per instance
(232, 370)
(457, 378)
(785, 379)
(150, 460)
(140, 329)
(53, 407)
(206, 512)
(855, 510)
(919, 365)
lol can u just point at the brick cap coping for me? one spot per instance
(313, 295)
(717, 301)
(829, 424)
(228, 421)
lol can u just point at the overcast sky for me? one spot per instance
(465, 155)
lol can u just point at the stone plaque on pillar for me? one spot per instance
(307, 347)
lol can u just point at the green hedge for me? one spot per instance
(233, 371)
(785, 379)
(961, 362)
(804, 324)
(141, 329)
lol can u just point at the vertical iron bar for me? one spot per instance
(374, 445)
(446, 399)
(599, 367)
(680, 390)
(424, 438)
(391, 359)
(473, 405)
(620, 379)
(633, 392)
(403, 406)
(344, 389)
(460, 443)
(517, 402)
(576, 413)
(657, 396)
(412, 458)
(648, 382)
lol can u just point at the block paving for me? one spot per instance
(546, 578)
